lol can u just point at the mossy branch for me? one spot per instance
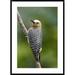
(38, 65)
(21, 23)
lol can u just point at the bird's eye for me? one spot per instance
(37, 22)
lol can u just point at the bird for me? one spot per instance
(35, 40)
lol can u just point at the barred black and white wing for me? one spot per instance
(35, 40)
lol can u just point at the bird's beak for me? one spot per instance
(32, 21)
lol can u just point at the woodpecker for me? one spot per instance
(35, 39)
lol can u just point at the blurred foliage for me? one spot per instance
(48, 17)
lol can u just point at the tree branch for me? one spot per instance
(38, 65)
(21, 23)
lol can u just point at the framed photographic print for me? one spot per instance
(37, 37)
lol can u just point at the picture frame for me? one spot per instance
(13, 47)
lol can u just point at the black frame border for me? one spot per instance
(63, 35)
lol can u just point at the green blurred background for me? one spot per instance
(48, 17)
